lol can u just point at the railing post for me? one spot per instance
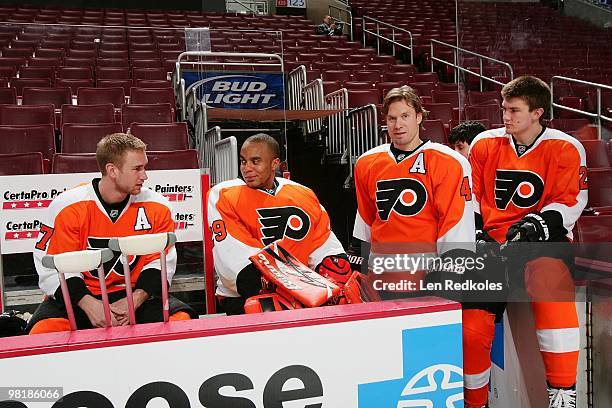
(377, 38)
(481, 73)
(431, 53)
(599, 113)
(363, 31)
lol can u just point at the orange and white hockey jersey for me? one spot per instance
(243, 220)
(76, 220)
(550, 176)
(423, 198)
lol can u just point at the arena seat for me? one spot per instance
(568, 125)
(146, 113)
(103, 72)
(441, 111)
(600, 187)
(103, 113)
(358, 97)
(75, 73)
(483, 98)
(8, 96)
(152, 95)
(126, 84)
(177, 159)
(20, 83)
(95, 96)
(26, 115)
(13, 164)
(83, 138)
(434, 131)
(596, 153)
(74, 163)
(149, 73)
(25, 139)
(47, 96)
(162, 136)
(490, 112)
(571, 102)
(37, 72)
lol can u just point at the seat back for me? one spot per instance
(162, 136)
(45, 96)
(172, 160)
(83, 138)
(13, 164)
(26, 139)
(74, 163)
(26, 115)
(102, 113)
(96, 96)
(146, 113)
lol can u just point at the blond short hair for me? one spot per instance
(112, 148)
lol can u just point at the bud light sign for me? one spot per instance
(237, 91)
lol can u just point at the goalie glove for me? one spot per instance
(531, 228)
(335, 267)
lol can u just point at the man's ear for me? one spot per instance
(419, 118)
(111, 170)
(275, 163)
(538, 112)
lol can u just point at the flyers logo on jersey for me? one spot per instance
(406, 197)
(524, 188)
(114, 265)
(279, 222)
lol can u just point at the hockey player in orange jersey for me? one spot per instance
(530, 186)
(85, 217)
(413, 196)
(247, 214)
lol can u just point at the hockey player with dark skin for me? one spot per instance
(530, 188)
(249, 213)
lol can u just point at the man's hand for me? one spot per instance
(94, 310)
(119, 309)
(531, 228)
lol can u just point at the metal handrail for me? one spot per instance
(379, 37)
(226, 160)
(206, 149)
(184, 57)
(248, 3)
(296, 81)
(456, 50)
(336, 135)
(314, 100)
(598, 116)
(349, 17)
(362, 135)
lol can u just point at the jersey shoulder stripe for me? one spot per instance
(148, 195)
(448, 152)
(76, 195)
(384, 148)
(554, 134)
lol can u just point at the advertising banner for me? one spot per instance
(237, 90)
(24, 199)
(405, 361)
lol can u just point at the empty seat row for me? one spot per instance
(34, 162)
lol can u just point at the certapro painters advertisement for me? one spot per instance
(24, 200)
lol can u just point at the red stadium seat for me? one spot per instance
(74, 163)
(113, 62)
(569, 125)
(441, 111)
(423, 88)
(44, 62)
(162, 136)
(8, 96)
(484, 98)
(451, 97)
(146, 113)
(43, 96)
(95, 96)
(332, 75)
(385, 87)
(126, 84)
(112, 72)
(372, 76)
(87, 62)
(153, 83)
(177, 159)
(425, 77)
(152, 95)
(37, 72)
(596, 153)
(26, 115)
(50, 52)
(103, 113)
(75, 73)
(490, 112)
(149, 73)
(350, 85)
(571, 102)
(25, 139)
(331, 86)
(14, 164)
(20, 83)
(359, 98)
(600, 187)
(83, 138)
(434, 131)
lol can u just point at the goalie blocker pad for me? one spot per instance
(291, 276)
